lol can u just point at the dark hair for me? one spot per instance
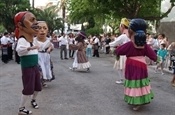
(139, 27)
(164, 45)
(163, 35)
(5, 33)
(126, 27)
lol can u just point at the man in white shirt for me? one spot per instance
(10, 48)
(63, 46)
(4, 45)
(96, 44)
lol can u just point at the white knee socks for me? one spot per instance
(120, 73)
(25, 97)
(34, 95)
(23, 100)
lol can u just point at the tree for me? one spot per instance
(101, 9)
(8, 9)
(50, 15)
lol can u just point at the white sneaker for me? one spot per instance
(136, 108)
(71, 68)
(119, 81)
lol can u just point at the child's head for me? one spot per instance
(162, 46)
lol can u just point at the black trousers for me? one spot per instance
(96, 53)
(5, 57)
(107, 50)
(71, 53)
(17, 58)
(10, 53)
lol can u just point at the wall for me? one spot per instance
(168, 28)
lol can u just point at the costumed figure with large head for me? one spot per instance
(45, 48)
(80, 61)
(26, 27)
(137, 84)
(122, 39)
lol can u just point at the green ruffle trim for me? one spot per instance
(139, 100)
(137, 83)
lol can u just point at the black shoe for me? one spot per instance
(23, 111)
(34, 104)
(170, 68)
(61, 58)
(5, 62)
(88, 69)
(66, 58)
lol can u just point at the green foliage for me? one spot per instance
(94, 31)
(81, 10)
(2, 29)
(8, 9)
(49, 15)
(91, 22)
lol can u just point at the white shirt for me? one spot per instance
(122, 39)
(63, 40)
(156, 44)
(97, 41)
(42, 45)
(22, 46)
(4, 40)
(71, 40)
(11, 40)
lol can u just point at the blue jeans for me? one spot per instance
(89, 52)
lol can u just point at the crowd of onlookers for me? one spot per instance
(7, 45)
(165, 50)
(94, 44)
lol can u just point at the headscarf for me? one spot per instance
(82, 34)
(19, 17)
(139, 26)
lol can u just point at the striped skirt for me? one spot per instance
(137, 84)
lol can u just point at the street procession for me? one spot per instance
(87, 57)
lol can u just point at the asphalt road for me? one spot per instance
(82, 93)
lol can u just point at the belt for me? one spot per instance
(4, 45)
(42, 51)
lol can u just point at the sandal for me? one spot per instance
(23, 111)
(136, 108)
(34, 104)
(45, 85)
(88, 69)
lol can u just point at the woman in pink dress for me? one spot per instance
(137, 84)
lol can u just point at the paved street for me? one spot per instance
(81, 93)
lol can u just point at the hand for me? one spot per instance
(34, 47)
(49, 50)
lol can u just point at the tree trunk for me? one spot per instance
(63, 15)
